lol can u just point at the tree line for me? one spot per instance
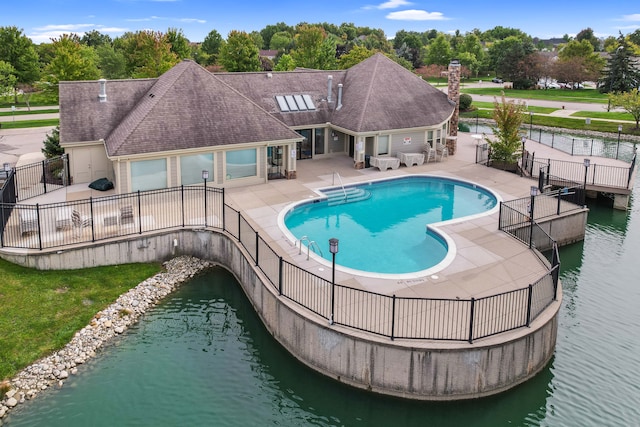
(507, 53)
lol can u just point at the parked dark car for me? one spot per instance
(497, 80)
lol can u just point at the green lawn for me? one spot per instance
(581, 95)
(535, 109)
(42, 310)
(613, 115)
(562, 122)
(38, 99)
(26, 112)
(20, 124)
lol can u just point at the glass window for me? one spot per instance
(383, 144)
(191, 168)
(148, 175)
(241, 163)
(304, 147)
(430, 137)
(319, 142)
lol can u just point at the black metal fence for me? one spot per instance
(598, 147)
(380, 314)
(41, 177)
(593, 174)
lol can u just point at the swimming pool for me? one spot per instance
(382, 225)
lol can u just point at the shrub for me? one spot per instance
(465, 102)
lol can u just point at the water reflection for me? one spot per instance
(204, 358)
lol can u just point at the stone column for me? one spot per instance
(454, 94)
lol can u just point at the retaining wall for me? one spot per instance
(425, 370)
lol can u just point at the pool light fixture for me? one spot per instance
(333, 248)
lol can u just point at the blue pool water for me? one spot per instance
(386, 231)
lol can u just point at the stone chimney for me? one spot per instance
(454, 94)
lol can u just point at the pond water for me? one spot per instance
(203, 358)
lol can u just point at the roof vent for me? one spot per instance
(269, 75)
(102, 96)
(329, 83)
(339, 106)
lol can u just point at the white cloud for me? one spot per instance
(633, 17)
(150, 18)
(64, 27)
(416, 15)
(45, 33)
(393, 4)
(190, 20)
(390, 4)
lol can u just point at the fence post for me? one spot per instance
(239, 228)
(500, 217)
(529, 299)
(182, 202)
(39, 227)
(591, 153)
(573, 143)
(393, 316)
(44, 176)
(139, 213)
(67, 169)
(93, 220)
(471, 316)
(559, 200)
(280, 264)
(555, 265)
(224, 223)
(553, 135)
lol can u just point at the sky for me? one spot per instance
(42, 20)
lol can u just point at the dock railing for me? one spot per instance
(50, 226)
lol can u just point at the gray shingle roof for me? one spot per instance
(379, 94)
(188, 107)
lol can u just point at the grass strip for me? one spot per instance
(563, 122)
(42, 310)
(27, 112)
(21, 124)
(612, 115)
(581, 95)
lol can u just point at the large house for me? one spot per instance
(244, 128)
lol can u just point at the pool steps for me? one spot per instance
(346, 195)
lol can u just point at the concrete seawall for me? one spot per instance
(424, 370)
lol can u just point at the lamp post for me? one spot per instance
(523, 139)
(530, 123)
(587, 163)
(476, 122)
(534, 193)
(618, 147)
(205, 177)
(333, 248)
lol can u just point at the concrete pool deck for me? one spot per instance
(488, 261)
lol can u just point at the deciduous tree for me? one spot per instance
(19, 51)
(240, 53)
(313, 49)
(285, 63)
(629, 102)
(505, 144)
(356, 55)
(71, 61)
(147, 53)
(179, 43)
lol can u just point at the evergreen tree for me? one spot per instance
(52, 144)
(620, 74)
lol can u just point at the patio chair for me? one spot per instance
(442, 151)
(126, 215)
(429, 153)
(80, 222)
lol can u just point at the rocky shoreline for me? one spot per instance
(53, 370)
